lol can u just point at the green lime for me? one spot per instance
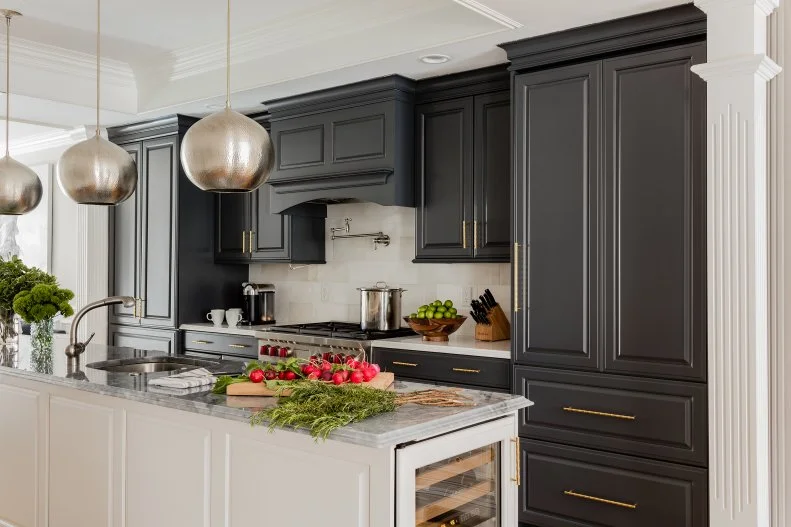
(413, 315)
(436, 303)
(421, 314)
(448, 304)
(422, 308)
(441, 309)
(453, 310)
(429, 314)
(448, 314)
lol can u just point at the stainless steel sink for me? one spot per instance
(152, 364)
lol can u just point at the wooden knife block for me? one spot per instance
(499, 329)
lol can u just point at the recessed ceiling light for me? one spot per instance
(434, 58)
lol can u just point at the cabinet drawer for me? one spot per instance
(657, 419)
(217, 343)
(442, 367)
(572, 487)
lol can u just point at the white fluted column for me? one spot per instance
(736, 74)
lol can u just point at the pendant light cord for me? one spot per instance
(98, 55)
(7, 78)
(228, 58)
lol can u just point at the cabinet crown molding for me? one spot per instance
(624, 34)
(766, 6)
(758, 64)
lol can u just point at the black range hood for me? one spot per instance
(352, 143)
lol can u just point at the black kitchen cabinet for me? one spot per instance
(654, 202)
(140, 338)
(555, 185)
(161, 247)
(463, 166)
(565, 486)
(247, 231)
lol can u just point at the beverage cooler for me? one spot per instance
(469, 478)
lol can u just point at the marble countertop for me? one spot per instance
(408, 423)
(456, 345)
(242, 329)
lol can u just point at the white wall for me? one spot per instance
(327, 292)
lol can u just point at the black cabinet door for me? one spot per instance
(492, 177)
(157, 190)
(556, 182)
(444, 180)
(655, 211)
(124, 245)
(231, 236)
(270, 232)
(139, 338)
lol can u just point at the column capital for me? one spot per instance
(758, 64)
(767, 6)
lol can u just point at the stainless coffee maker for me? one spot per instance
(259, 304)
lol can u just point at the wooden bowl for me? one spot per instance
(435, 329)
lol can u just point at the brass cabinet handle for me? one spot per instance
(250, 245)
(600, 500)
(464, 234)
(475, 234)
(238, 346)
(516, 277)
(134, 309)
(518, 478)
(201, 342)
(410, 364)
(465, 370)
(600, 414)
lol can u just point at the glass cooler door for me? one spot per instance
(464, 479)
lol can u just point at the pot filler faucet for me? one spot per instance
(74, 349)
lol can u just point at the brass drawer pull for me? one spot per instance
(244, 242)
(410, 364)
(475, 234)
(202, 342)
(600, 414)
(238, 345)
(463, 234)
(250, 247)
(466, 370)
(600, 500)
(518, 478)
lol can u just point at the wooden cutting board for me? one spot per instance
(383, 381)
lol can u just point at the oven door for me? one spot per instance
(466, 478)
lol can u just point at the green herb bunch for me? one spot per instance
(16, 277)
(43, 301)
(322, 407)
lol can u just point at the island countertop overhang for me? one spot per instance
(408, 423)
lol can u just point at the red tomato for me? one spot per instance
(256, 376)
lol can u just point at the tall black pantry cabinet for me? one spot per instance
(161, 243)
(609, 272)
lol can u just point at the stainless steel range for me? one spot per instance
(326, 339)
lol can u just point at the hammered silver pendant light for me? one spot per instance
(20, 187)
(227, 151)
(96, 171)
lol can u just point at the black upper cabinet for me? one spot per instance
(655, 201)
(610, 271)
(555, 220)
(161, 248)
(445, 179)
(463, 168)
(232, 229)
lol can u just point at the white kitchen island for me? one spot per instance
(84, 447)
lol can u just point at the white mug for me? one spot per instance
(234, 316)
(216, 316)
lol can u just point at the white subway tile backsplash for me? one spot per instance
(328, 292)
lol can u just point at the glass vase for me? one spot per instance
(41, 344)
(10, 329)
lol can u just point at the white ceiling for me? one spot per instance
(162, 56)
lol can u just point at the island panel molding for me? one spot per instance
(19, 496)
(740, 417)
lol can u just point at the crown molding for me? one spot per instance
(759, 64)
(490, 13)
(69, 62)
(58, 139)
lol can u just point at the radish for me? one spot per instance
(256, 376)
(369, 373)
(326, 366)
(356, 377)
(326, 376)
(290, 376)
(337, 378)
(313, 375)
(376, 367)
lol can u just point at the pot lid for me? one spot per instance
(380, 286)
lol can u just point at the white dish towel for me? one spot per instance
(187, 379)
